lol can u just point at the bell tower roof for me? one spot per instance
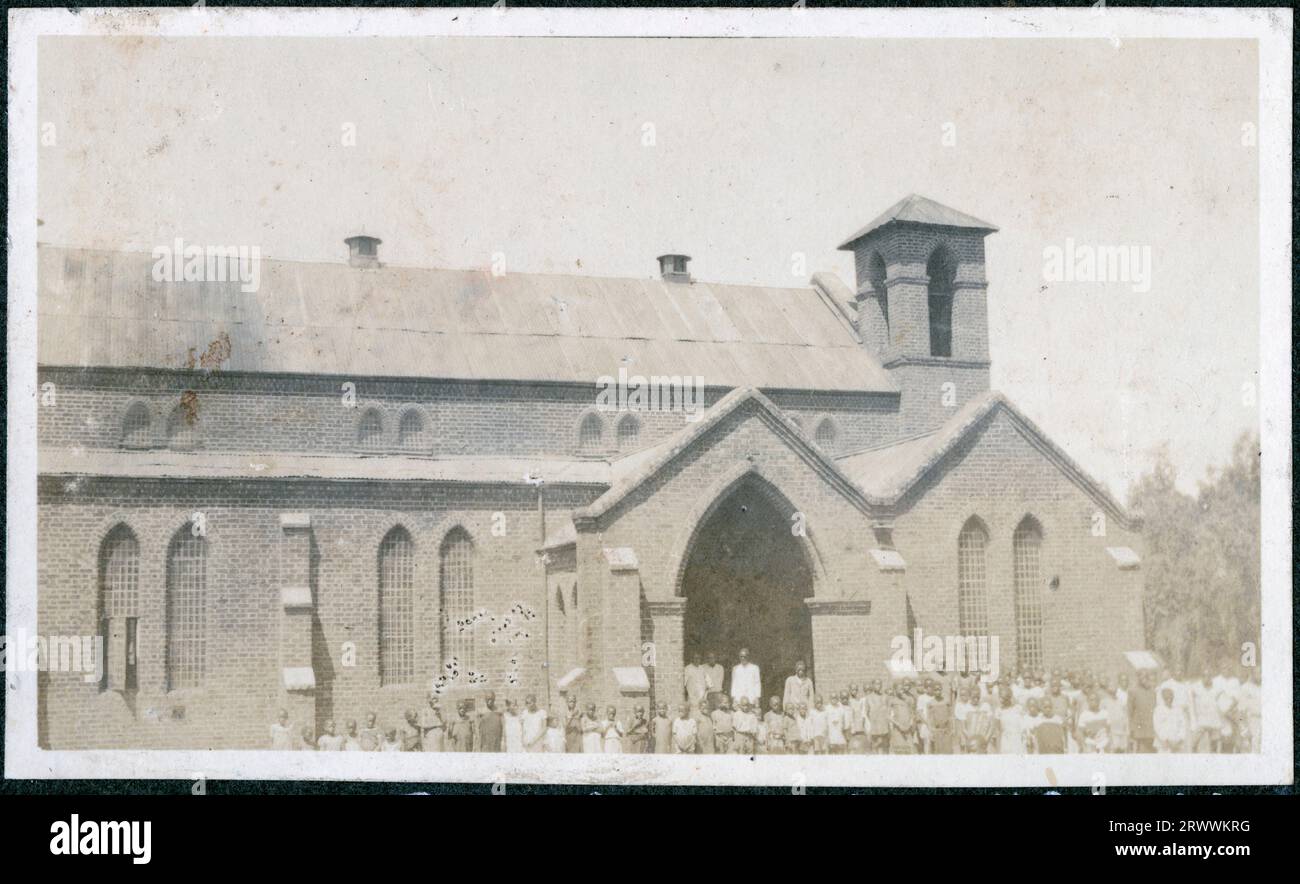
(916, 209)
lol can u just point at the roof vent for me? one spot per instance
(673, 268)
(363, 251)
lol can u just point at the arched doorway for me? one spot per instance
(745, 581)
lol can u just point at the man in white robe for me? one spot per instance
(746, 682)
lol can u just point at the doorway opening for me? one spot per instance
(745, 581)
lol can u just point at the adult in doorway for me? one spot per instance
(696, 682)
(746, 680)
(798, 688)
(714, 674)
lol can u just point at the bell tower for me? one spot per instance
(922, 306)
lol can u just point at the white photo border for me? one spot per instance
(1272, 28)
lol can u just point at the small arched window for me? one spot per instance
(370, 430)
(942, 270)
(456, 578)
(136, 426)
(396, 608)
(972, 580)
(629, 431)
(591, 434)
(826, 435)
(410, 432)
(1026, 545)
(876, 275)
(183, 425)
(187, 586)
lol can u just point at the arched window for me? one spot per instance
(826, 435)
(119, 602)
(396, 608)
(183, 426)
(942, 270)
(629, 430)
(370, 430)
(187, 584)
(119, 574)
(1026, 544)
(136, 426)
(456, 578)
(972, 580)
(876, 275)
(591, 434)
(410, 432)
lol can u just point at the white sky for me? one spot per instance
(763, 149)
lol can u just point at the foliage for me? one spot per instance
(1202, 560)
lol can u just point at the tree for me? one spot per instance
(1202, 562)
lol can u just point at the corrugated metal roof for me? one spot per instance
(167, 464)
(100, 308)
(920, 210)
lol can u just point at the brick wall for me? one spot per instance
(241, 413)
(997, 475)
(242, 686)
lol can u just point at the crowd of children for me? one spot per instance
(1053, 713)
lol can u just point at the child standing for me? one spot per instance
(817, 727)
(723, 725)
(462, 731)
(837, 719)
(512, 727)
(940, 721)
(796, 726)
(281, 732)
(704, 743)
(638, 732)
(329, 741)
(554, 740)
(391, 743)
(902, 723)
(1169, 723)
(746, 724)
(776, 727)
(661, 730)
(683, 731)
(370, 735)
(611, 732)
(592, 735)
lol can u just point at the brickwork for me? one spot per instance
(1094, 614)
(242, 685)
(932, 385)
(234, 413)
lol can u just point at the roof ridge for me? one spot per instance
(343, 265)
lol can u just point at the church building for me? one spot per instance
(352, 484)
